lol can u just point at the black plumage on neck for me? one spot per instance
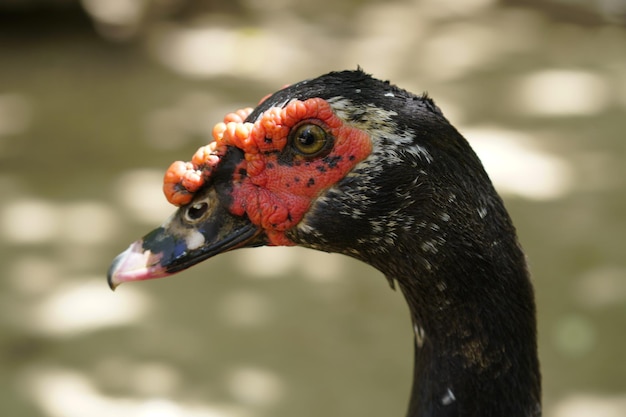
(475, 344)
(472, 309)
(423, 211)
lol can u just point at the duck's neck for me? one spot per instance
(475, 344)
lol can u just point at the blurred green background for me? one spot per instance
(98, 97)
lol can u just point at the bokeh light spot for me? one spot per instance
(574, 335)
(88, 305)
(517, 167)
(244, 308)
(140, 192)
(562, 93)
(30, 221)
(255, 386)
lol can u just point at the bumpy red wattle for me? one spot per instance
(274, 195)
(183, 179)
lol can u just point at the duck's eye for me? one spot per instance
(309, 139)
(196, 211)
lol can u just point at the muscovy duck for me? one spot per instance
(350, 164)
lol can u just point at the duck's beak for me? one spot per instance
(176, 245)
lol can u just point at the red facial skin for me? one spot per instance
(275, 196)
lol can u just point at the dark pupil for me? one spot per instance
(196, 211)
(307, 137)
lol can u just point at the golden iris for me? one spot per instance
(309, 139)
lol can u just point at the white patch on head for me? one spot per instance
(377, 226)
(429, 246)
(420, 152)
(419, 335)
(378, 122)
(194, 240)
(355, 213)
(358, 91)
(389, 95)
(427, 265)
(305, 228)
(344, 108)
(482, 212)
(448, 398)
